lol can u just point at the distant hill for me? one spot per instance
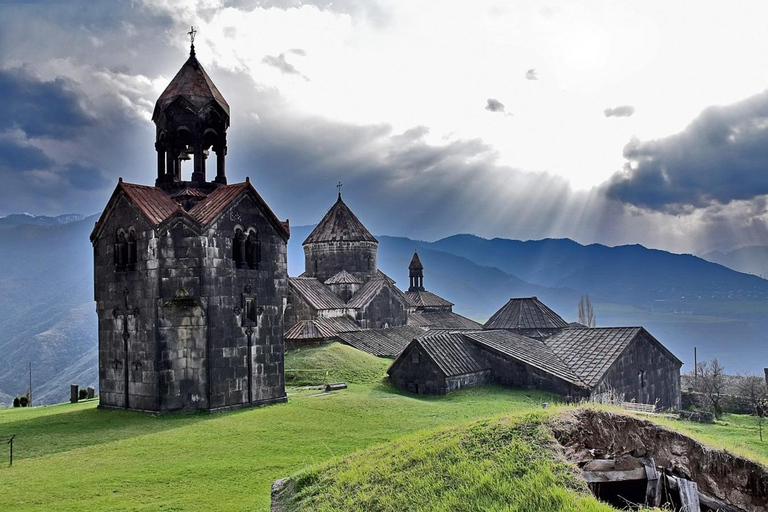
(18, 219)
(752, 260)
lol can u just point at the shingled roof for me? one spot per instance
(382, 342)
(193, 84)
(442, 320)
(530, 351)
(525, 313)
(592, 352)
(427, 299)
(343, 277)
(320, 329)
(315, 293)
(452, 353)
(158, 206)
(338, 225)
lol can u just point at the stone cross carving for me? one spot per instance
(339, 187)
(126, 312)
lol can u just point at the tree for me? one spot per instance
(586, 313)
(711, 383)
(755, 391)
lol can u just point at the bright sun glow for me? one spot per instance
(586, 50)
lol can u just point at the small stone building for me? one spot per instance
(572, 362)
(190, 276)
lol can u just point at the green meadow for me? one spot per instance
(76, 457)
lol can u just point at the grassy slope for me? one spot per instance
(74, 457)
(507, 463)
(333, 362)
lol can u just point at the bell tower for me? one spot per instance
(192, 118)
(416, 274)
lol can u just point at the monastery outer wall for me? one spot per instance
(325, 259)
(385, 310)
(420, 376)
(661, 378)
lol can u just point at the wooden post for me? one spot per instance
(10, 443)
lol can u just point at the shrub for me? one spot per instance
(16, 402)
(24, 401)
(83, 394)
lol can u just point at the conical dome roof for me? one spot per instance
(338, 225)
(415, 262)
(193, 84)
(525, 313)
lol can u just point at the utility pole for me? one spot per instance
(695, 367)
(30, 383)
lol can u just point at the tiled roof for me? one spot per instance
(194, 84)
(320, 329)
(153, 203)
(427, 299)
(532, 352)
(452, 353)
(371, 289)
(525, 313)
(189, 192)
(207, 210)
(384, 276)
(315, 293)
(382, 342)
(415, 262)
(591, 352)
(441, 320)
(343, 277)
(339, 224)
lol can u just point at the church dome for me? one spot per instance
(340, 225)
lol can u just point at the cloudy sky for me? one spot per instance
(610, 122)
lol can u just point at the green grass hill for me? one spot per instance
(76, 457)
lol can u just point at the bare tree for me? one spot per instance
(755, 391)
(586, 313)
(711, 383)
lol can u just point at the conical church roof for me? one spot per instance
(193, 84)
(525, 313)
(415, 262)
(340, 225)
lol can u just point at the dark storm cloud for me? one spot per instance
(15, 157)
(283, 65)
(40, 108)
(84, 177)
(620, 111)
(494, 105)
(720, 157)
(531, 74)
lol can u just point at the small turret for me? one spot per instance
(416, 274)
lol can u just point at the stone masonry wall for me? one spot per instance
(385, 310)
(660, 380)
(325, 259)
(416, 373)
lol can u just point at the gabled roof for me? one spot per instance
(442, 320)
(343, 277)
(591, 352)
(427, 299)
(532, 352)
(193, 84)
(415, 262)
(387, 342)
(371, 289)
(525, 313)
(339, 224)
(315, 293)
(158, 207)
(452, 353)
(320, 329)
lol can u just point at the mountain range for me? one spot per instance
(47, 313)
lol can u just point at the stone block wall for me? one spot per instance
(644, 373)
(416, 373)
(385, 310)
(326, 259)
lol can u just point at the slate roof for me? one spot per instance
(452, 353)
(315, 293)
(382, 342)
(193, 84)
(371, 289)
(442, 320)
(415, 262)
(532, 352)
(339, 224)
(591, 352)
(343, 277)
(427, 299)
(525, 313)
(320, 329)
(158, 206)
